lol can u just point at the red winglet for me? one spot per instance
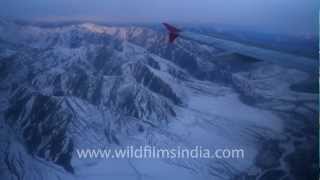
(173, 32)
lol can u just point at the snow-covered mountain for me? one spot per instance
(97, 86)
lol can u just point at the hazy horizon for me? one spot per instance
(285, 16)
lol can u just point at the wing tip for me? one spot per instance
(173, 32)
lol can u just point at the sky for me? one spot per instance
(288, 16)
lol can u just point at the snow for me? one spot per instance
(211, 115)
(231, 107)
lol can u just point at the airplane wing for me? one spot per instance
(173, 32)
(172, 37)
(284, 59)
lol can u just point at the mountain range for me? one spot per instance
(89, 85)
